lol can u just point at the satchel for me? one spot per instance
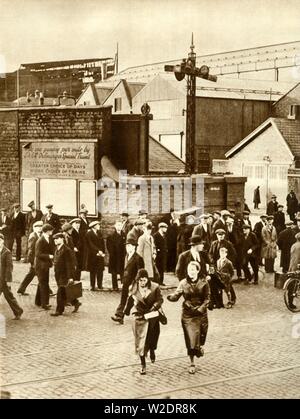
(73, 291)
(162, 317)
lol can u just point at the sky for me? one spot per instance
(147, 31)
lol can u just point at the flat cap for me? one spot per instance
(270, 217)
(220, 231)
(49, 206)
(38, 224)
(47, 227)
(58, 236)
(66, 227)
(161, 225)
(93, 224)
(31, 204)
(225, 212)
(246, 227)
(75, 220)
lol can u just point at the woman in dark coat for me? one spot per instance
(196, 293)
(256, 197)
(145, 296)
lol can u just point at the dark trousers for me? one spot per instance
(99, 274)
(8, 295)
(269, 265)
(61, 300)
(18, 239)
(28, 278)
(160, 264)
(124, 296)
(114, 280)
(254, 265)
(43, 290)
(231, 294)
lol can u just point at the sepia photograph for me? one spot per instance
(150, 202)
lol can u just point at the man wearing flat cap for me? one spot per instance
(95, 256)
(17, 229)
(221, 224)
(51, 218)
(194, 254)
(204, 231)
(33, 238)
(272, 206)
(32, 216)
(249, 254)
(6, 268)
(257, 231)
(279, 220)
(214, 251)
(136, 231)
(160, 242)
(269, 244)
(286, 239)
(5, 227)
(133, 262)
(44, 251)
(64, 273)
(246, 219)
(126, 224)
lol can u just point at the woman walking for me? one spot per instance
(196, 293)
(145, 296)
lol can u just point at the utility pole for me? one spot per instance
(188, 69)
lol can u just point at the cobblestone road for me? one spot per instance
(250, 351)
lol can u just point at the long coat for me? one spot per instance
(78, 241)
(292, 204)
(146, 332)
(279, 221)
(272, 207)
(184, 259)
(6, 266)
(5, 229)
(194, 312)
(116, 249)
(146, 249)
(18, 225)
(161, 250)
(285, 241)
(172, 245)
(256, 196)
(247, 243)
(33, 238)
(184, 234)
(53, 220)
(295, 256)
(269, 239)
(64, 268)
(95, 242)
(204, 235)
(43, 250)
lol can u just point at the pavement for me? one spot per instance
(251, 350)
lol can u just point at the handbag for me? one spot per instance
(162, 317)
(73, 291)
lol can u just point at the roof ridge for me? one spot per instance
(166, 149)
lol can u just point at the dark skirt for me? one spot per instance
(195, 331)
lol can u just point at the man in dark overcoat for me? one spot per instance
(292, 205)
(83, 229)
(32, 217)
(256, 197)
(172, 233)
(249, 254)
(204, 231)
(133, 262)
(214, 251)
(95, 256)
(64, 271)
(116, 249)
(33, 238)
(285, 241)
(160, 242)
(126, 224)
(17, 229)
(78, 241)
(272, 206)
(44, 251)
(196, 254)
(51, 218)
(279, 219)
(257, 231)
(6, 268)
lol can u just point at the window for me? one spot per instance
(28, 192)
(283, 171)
(273, 172)
(87, 195)
(118, 104)
(61, 193)
(248, 171)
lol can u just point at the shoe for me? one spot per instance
(18, 316)
(22, 293)
(55, 314)
(76, 307)
(100, 288)
(46, 307)
(192, 369)
(255, 283)
(117, 319)
(93, 289)
(229, 305)
(201, 351)
(143, 370)
(152, 356)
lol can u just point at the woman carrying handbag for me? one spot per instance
(196, 293)
(145, 298)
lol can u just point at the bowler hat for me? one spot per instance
(47, 227)
(220, 231)
(195, 240)
(58, 236)
(31, 204)
(93, 224)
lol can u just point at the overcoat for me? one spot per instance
(269, 243)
